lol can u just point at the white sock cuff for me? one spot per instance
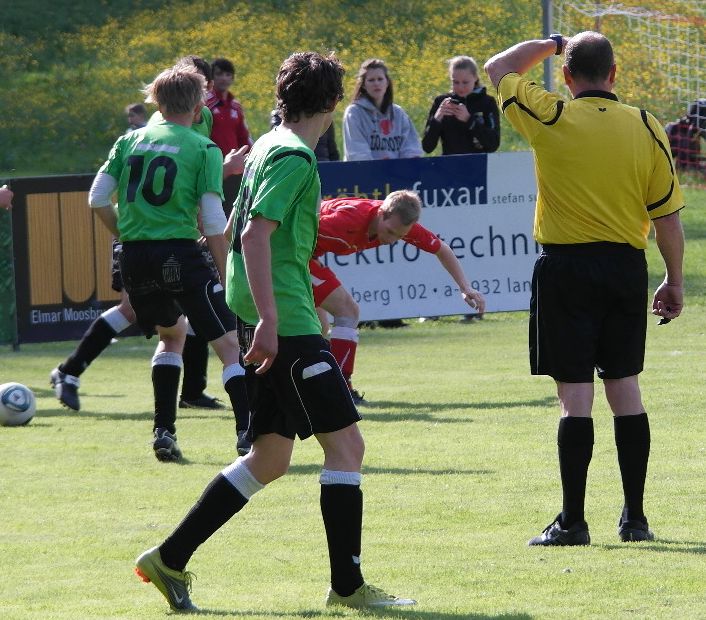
(234, 370)
(166, 358)
(238, 474)
(353, 478)
(344, 333)
(115, 319)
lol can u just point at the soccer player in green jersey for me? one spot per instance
(65, 377)
(166, 174)
(298, 387)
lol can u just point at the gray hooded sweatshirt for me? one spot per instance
(370, 134)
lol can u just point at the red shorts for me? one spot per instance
(323, 281)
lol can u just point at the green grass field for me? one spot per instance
(460, 471)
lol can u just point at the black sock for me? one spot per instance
(342, 510)
(93, 343)
(195, 357)
(238, 394)
(165, 382)
(575, 441)
(218, 503)
(632, 438)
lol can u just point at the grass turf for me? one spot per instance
(460, 471)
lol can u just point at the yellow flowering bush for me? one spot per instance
(66, 90)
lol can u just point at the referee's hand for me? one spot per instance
(668, 301)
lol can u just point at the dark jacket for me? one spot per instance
(326, 149)
(481, 134)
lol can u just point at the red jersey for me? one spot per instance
(230, 131)
(343, 228)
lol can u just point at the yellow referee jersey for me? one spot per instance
(604, 169)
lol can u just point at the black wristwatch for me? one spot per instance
(559, 40)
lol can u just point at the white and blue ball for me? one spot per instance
(17, 404)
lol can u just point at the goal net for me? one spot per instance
(660, 48)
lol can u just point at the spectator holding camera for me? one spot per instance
(466, 119)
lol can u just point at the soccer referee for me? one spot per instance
(604, 172)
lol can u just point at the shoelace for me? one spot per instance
(551, 525)
(189, 577)
(379, 593)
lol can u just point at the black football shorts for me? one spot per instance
(165, 279)
(588, 312)
(303, 393)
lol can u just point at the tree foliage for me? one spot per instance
(70, 73)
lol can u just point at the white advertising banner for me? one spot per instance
(482, 206)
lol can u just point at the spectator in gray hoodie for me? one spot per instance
(373, 126)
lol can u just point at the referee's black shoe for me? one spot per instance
(554, 535)
(634, 531)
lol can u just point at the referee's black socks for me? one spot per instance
(575, 442)
(632, 439)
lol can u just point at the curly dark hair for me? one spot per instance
(308, 83)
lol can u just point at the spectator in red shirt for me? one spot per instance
(349, 225)
(229, 131)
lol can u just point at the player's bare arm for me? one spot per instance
(520, 58)
(109, 218)
(470, 295)
(6, 197)
(234, 161)
(258, 267)
(668, 299)
(99, 198)
(212, 222)
(228, 231)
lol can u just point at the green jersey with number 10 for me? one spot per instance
(162, 171)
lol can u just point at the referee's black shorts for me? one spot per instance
(588, 311)
(302, 394)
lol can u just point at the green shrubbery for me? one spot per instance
(70, 73)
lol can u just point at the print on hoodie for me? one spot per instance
(370, 134)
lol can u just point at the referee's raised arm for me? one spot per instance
(521, 57)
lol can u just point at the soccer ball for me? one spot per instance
(17, 404)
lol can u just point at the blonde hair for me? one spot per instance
(405, 204)
(176, 90)
(464, 62)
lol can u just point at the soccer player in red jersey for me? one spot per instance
(349, 225)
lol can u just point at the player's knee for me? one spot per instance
(347, 315)
(265, 465)
(126, 310)
(354, 310)
(349, 452)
